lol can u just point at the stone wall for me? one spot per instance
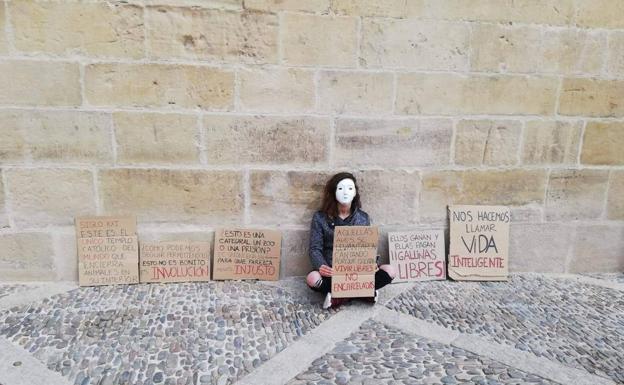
(195, 114)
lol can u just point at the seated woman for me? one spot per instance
(340, 207)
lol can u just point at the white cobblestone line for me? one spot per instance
(18, 367)
(37, 293)
(514, 358)
(299, 356)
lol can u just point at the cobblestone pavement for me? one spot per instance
(576, 324)
(151, 334)
(6, 290)
(219, 332)
(379, 354)
(613, 277)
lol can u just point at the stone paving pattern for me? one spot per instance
(193, 333)
(575, 324)
(6, 290)
(379, 354)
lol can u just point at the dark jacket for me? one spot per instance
(322, 235)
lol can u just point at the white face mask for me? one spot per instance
(345, 191)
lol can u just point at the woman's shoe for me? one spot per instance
(328, 301)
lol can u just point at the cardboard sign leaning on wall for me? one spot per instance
(479, 243)
(180, 261)
(354, 261)
(108, 252)
(247, 254)
(417, 255)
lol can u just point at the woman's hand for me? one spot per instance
(326, 271)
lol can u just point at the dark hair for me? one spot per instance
(330, 205)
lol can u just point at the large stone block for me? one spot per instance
(55, 136)
(277, 90)
(415, 44)
(33, 83)
(314, 40)
(265, 140)
(615, 196)
(209, 34)
(159, 85)
(4, 45)
(390, 197)
(368, 8)
(234, 5)
(603, 143)
(65, 255)
(576, 194)
(451, 94)
(295, 253)
(487, 142)
(26, 257)
(539, 247)
(479, 187)
(551, 142)
(598, 248)
(288, 5)
(285, 197)
(40, 197)
(600, 13)
(83, 28)
(160, 195)
(355, 92)
(4, 219)
(555, 12)
(615, 56)
(530, 49)
(592, 97)
(392, 142)
(156, 138)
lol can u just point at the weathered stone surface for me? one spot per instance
(83, 28)
(26, 256)
(415, 44)
(33, 83)
(66, 255)
(389, 196)
(288, 5)
(155, 235)
(213, 4)
(615, 196)
(199, 33)
(392, 142)
(450, 94)
(55, 136)
(551, 142)
(276, 90)
(4, 219)
(487, 187)
(576, 194)
(295, 258)
(592, 97)
(355, 92)
(387, 8)
(600, 13)
(156, 138)
(530, 49)
(598, 248)
(555, 12)
(158, 85)
(160, 195)
(265, 139)
(603, 143)
(45, 196)
(283, 198)
(539, 247)
(487, 142)
(318, 40)
(3, 38)
(615, 56)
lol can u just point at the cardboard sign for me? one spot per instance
(354, 261)
(479, 244)
(99, 227)
(247, 254)
(109, 259)
(183, 261)
(417, 255)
